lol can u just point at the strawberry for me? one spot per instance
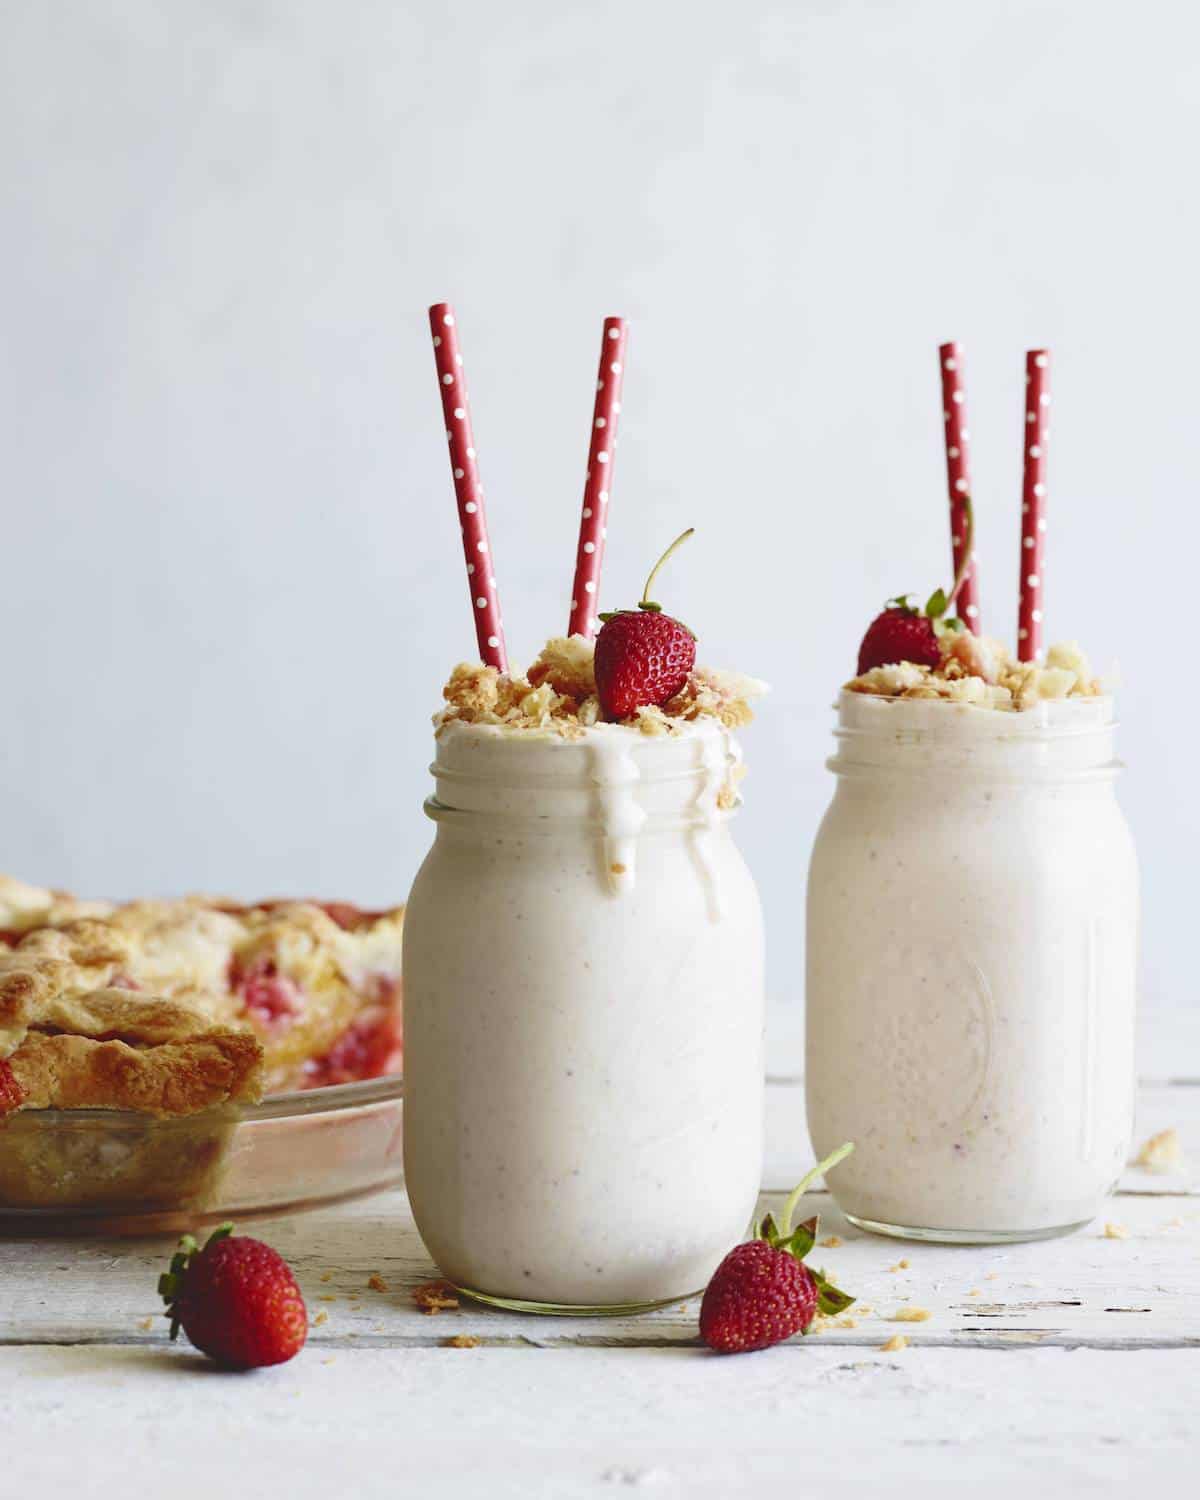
(643, 657)
(902, 633)
(899, 634)
(762, 1292)
(236, 1300)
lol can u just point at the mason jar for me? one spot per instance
(583, 1014)
(972, 968)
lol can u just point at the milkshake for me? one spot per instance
(583, 991)
(972, 948)
(583, 969)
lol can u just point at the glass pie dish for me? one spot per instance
(102, 1171)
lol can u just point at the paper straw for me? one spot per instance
(481, 578)
(1033, 504)
(593, 525)
(958, 475)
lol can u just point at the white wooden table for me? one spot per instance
(1073, 1364)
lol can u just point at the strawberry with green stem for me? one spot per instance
(762, 1292)
(902, 633)
(236, 1299)
(643, 656)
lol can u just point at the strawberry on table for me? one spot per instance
(236, 1300)
(643, 657)
(762, 1292)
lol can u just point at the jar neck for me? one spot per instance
(1069, 740)
(611, 778)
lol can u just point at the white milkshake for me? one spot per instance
(972, 951)
(583, 1013)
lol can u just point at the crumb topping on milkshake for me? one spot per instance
(981, 671)
(558, 696)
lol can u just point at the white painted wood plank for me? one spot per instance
(517, 1424)
(1071, 1291)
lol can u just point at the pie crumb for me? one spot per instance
(326, 1275)
(435, 1297)
(330, 1360)
(326, 1299)
(982, 672)
(894, 1344)
(1115, 1232)
(910, 1315)
(901, 1265)
(377, 1283)
(558, 696)
(1161, 1153)
(831, 1242)
(974, 1292)
(146, 1324)
(321, 1317)
(461, 1341)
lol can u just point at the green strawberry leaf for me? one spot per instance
(802, 1239)
(170, 1283)
(768, 1230)
(900, 601)
(830, 1300)
(937, 605)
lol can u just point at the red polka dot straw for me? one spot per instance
(1033, 503)
(481, 579)
(593, 525)
(958, 476)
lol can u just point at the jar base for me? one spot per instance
(963, 1236)
(569, 1309)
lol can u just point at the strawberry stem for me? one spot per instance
(645, 602)
(794, 1197)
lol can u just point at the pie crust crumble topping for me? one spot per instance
(981, 671)
(558, 696)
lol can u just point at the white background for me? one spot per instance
(231, 577)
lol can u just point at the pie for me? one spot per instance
(170, 1008)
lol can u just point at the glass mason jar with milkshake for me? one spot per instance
(583, 955)
(973, 913)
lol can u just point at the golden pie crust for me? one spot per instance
(173, 1007)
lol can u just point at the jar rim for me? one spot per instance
(873, 716)
(536, 760)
